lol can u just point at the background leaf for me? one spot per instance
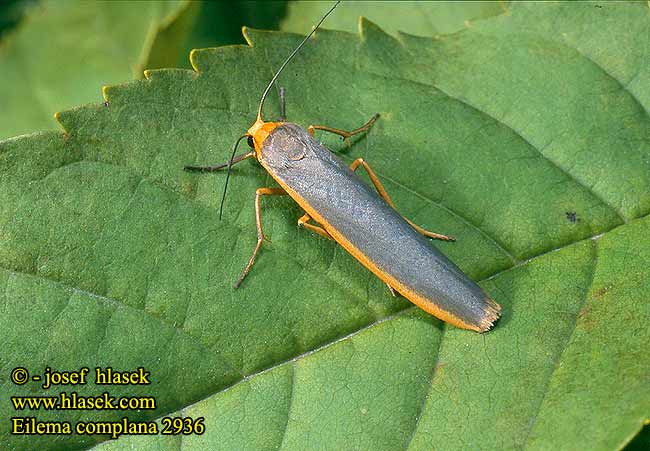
(114, 41)
(11, 12)
(81, 46)
(220, 23)
(417, 18)
(525, 136)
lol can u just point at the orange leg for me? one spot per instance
(304, 222)
(382, 192)
(343, 133)
(260, 234)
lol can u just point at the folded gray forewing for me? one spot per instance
(358, 213)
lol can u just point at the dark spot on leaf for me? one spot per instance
(572, 217)
(598, 6)
(106, 104)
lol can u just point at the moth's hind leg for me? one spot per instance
(382, 192)
(260, 234)
(346, 135)
(304, 222)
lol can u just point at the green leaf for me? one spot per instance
(11, 13)
(220, 23)
(416, 17)
(526, 136)
(64, 51)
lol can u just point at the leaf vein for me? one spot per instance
(423, 403)
(558, 359)
(290, 405)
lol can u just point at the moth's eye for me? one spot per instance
(251, 144)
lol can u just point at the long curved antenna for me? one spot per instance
(266, 91)
(268, 88)
(230, 162)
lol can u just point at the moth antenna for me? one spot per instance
(289, 58)
(225, 186)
